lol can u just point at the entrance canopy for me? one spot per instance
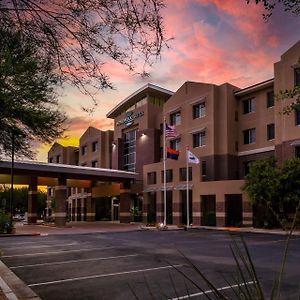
(48, 174)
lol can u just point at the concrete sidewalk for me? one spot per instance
(74, 228)
(105, 227)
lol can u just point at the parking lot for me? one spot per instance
(142, 264)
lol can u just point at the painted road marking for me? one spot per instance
(43, 246)
(56, 252)
(103, 275)
(73, 261)
(212, 291)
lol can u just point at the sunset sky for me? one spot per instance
(215, 41)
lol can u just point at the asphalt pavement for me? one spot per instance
(144, 264)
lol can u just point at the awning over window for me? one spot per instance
(295, 143)
(182, 186)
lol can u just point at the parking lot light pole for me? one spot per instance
(12, 178)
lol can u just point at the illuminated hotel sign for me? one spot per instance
(130, 116)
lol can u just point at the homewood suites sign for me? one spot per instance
(130, 116)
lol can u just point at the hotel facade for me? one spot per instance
(226, 127)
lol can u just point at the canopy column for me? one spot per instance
(32, 200)
(60, 202)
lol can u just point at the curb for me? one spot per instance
(13, 287)
(19, 234)
(227, 229)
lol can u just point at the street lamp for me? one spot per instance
(12, 179)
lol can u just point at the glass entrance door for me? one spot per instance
(115, 209)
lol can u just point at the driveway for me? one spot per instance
(143, 264)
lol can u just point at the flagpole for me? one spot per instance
(165, 176)
(187, 190)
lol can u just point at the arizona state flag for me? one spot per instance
(173, 154)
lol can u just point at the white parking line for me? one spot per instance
(73, 261)
(212, 291)
(42, 246)
(56, 252)
(102, 275)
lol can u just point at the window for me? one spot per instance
(270, 132)
(83, 150)
(248, 106)
(199, 139)
(94, 146)
(297, 117)
(161, 152)
(151, 178)
(51, 160)
(249, 136)
(199, 110)
(297, 151)
(95, 164)
(246, 165)
(175, 144)
(270, 99)
(161, 128)
(297, 77)
(129, 150)
(182, 174)
(58, 159)
(203, 168)
(169, 176)
(175, 119)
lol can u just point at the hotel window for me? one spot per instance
(95, 164)
(270, 99)
(271, 132)
(246, 165)
(94, 146)
(203, 168)
(248, 106)
(175, 118)
(83, 150)
(297, 117)
(58, 159)
(175, 144)
(199, 139)
(199, 110)
(249, 136)
(169, 176)
(182, 174)
(151, 178)
(161, 128)
(129, 150)
(297, 77)
(297, 151)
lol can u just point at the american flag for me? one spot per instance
(170, 130)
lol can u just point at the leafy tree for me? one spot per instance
(290, 181)
(21, 200)
(28, 104)
(274, 187)
(262, 181)
(79, 36)
(292, 6)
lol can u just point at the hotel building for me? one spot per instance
(224, 126)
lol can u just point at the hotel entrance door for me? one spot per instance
(115, 209)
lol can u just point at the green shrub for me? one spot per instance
(4, 221)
